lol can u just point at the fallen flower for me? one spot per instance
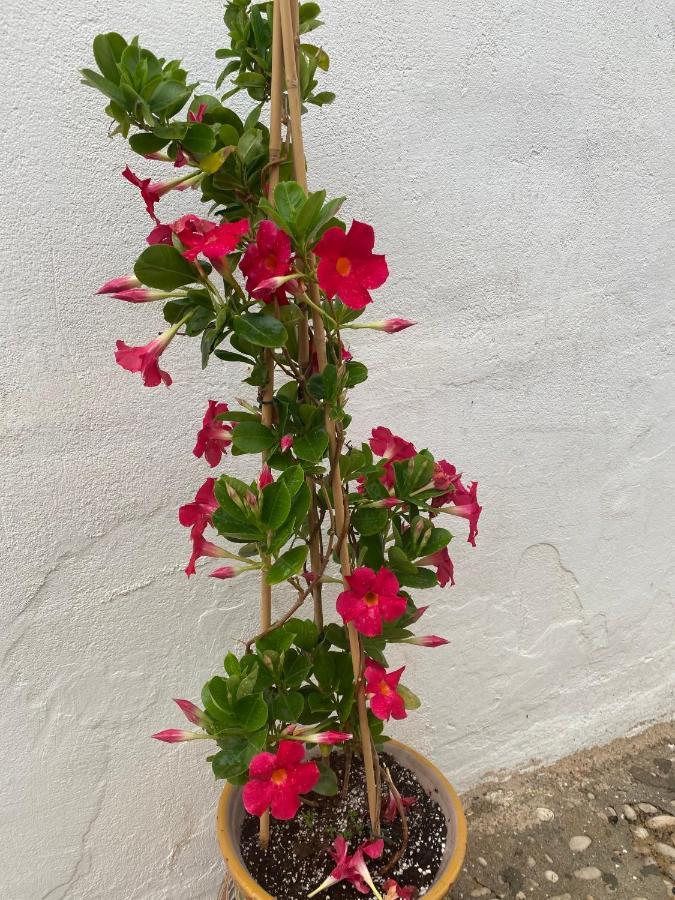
(352, 868)
(215, 436)
(390, 813)
(396, 892)
(348, 267)
(371, 599)
(278, 779)
(381, 689)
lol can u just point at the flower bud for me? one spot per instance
(222, 573)
(286, 442)
(265, 477)
(176, 735)
(191, 711)
(427, 640)
(124, 283)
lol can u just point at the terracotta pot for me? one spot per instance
(240, 885)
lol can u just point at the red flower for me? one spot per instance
(197, 515)
(371, 599)
(396, 892)
(268, 258)
(215, 436)
(348, 266)
(390, 446)
(187, 229)
(216, 243)
(145, 359)
(278, 779)
(390, 813)
(151, 192)
(446, 478)
(385, 700)
(445, 571)
(352, 868)
(202, 547)
(465, 505)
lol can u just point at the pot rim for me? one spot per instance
(447, 876)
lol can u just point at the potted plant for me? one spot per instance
(318, 798)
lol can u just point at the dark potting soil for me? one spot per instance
(297, 860)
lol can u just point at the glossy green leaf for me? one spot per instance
(276, 505)
(252, 437)
(288, 564)
(162, 267)
(260, 329)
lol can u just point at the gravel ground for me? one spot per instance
(598, 824)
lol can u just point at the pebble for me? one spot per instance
(611, 814)
(671, 872)
(551, 876)
(590, 796)
(482, 861)
(562, 897)
(640, 832)
(661, 823)
(520, 896)
(665, 850)
(588, 873)
(481, 892)
(629, 813)
(579, 843)
(531, 862)
(647, 808)
(544, 814)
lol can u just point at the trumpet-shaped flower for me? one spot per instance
(465, 505)
(216, 243)
(215, 436)
(348, 267)
(352, 868)
(445, 570)
(201, 547)
(381, 689)
(145, 359)
(187, 229)
(390, 446)
(153, 191)
(276, 781)
(372, 598)
(267, 260)
(396, 892)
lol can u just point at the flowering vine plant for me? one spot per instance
(270, 277)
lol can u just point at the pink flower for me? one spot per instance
(352, 868)
(197, 515)
(390, 813)
(191, 711)
(278, 779)
(142, 295)
(199, 115)
(348, 266)
(396, 892)
(187, 229)
(266, 260)
(426, 640)
(445, 571)
(223, 572)
(265, 477)
(125, 283)
(201, 547)
(145, 359)
(381, 689)
(389, 446)
(466, 507)
(176, 735)
(216, 243)
(371, 599)
(215, 436)
(151, 192)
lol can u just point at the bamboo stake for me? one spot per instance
(341, 511)
(267, 412)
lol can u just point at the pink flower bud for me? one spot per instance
(142, 295)
(386, 503)
(125, 283)
(265, 477)
(328, 737)
(419, 613)
(427, 640)
(286, 442)
(251, 499)
(391, 326)
(223, 572)
(176, 735)
(191, 712)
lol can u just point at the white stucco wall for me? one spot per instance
(516, 158)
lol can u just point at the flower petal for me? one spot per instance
(257, 796)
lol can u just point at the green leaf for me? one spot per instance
(322, 99)
(108, 50)
(288, 564)
(289, 198)
(305, 633)
(287, 706)
(109, 88)
(251, 712)
(369, 520)
(161, 266)
(199, 138)
(276, 505)
(252, 437)
(260, 329)
(311, 447)
(309, 11)
(356, 373)
(412, 701)
(247, 684)
(143, 143)
(309, 213)
(293, 478)
(327, 785)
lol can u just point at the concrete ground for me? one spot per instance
(598, 824)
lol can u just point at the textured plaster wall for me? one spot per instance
(516, 158)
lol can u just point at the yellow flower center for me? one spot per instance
(343, 266)
(270, 261)
(279, 776)
(371, 599)
(384, 688)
